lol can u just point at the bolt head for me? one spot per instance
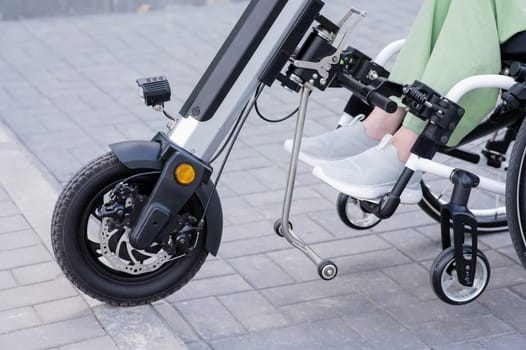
(372, 75)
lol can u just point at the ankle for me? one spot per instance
(404, 140)
(380, 123)
(375, 131)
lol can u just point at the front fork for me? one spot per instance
(456, 216)
(326, 269)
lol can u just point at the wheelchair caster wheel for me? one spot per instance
(444, 279)
(278, 229)
(353, 215)
(327, 270)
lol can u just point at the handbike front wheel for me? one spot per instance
(95, 254)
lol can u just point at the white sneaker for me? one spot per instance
(370, 175)
(348, 140)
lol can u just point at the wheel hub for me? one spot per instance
(122, 256)
(118, 215)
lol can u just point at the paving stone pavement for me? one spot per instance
(67, 91)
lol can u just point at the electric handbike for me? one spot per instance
(136, 224)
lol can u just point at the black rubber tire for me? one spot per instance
(277, 227)
(516, 194)
(341, 209)
(75, 253)
(442, 261)
(327, 264)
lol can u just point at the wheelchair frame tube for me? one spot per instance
(416, 163)
(388, 52)
(455, 94)
(203, 139)
(479, 82)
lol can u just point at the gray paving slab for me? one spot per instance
(137, 328)
(95, 343)
(20, 318)
(18, 239)
(216, 322)
(177, 323)
(253, 311)
(383, 331)
(52, 335)
(68, 90)
(336, 335)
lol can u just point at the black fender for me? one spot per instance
(147, 155)
(214, 216)
(139, 154)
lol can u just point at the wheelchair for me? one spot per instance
(455, 196)
(136, 224)
(486, 149)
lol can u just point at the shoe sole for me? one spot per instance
(411, 195)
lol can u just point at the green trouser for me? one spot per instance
(455, 39)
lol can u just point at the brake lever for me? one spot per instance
(323, 67)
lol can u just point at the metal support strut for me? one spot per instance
(326, 269)
(462, 220)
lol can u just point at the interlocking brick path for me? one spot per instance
(68, 90)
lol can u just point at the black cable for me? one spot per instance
(168, 115)
(231, 140)
(268, 120)
(229, 137)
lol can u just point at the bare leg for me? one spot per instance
(379, 123)
(403, 140)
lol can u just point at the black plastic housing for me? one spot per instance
(291, 41)
(159, 216)
(518, 71)
(155, 90)
(232, 58)
(314, 49)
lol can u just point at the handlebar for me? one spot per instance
(368, 93)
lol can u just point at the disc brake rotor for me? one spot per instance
(121, 255)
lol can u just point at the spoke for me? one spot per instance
(94, 246)
(130, 253)
(96, 215)
(448, 282)
(129, 248)
(151, 255)
(124, 241)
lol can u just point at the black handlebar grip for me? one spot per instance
(382, 102)
(369, 95)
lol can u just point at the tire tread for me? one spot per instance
(105, 162)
